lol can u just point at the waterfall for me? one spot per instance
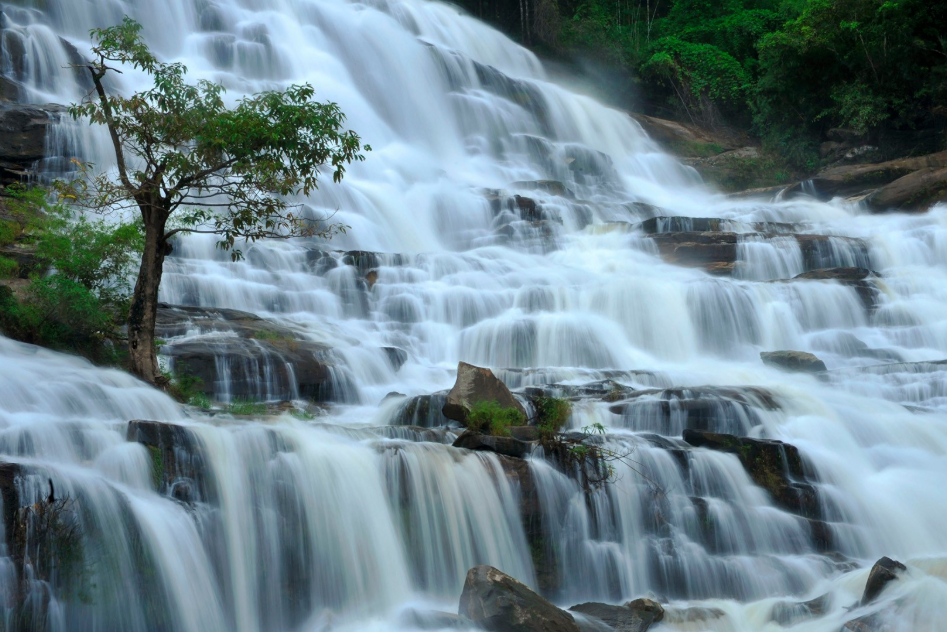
(501, 219)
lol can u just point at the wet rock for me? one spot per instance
(689, 616)
(177, 462)
(634, 616)
(821, 251)
(798, 361)
(23, 131)
(553, 187)
(885, 571)
(714, 252)
(869, 623)
(851, 179)
(862, 279)
(787, 613)
(659, 225)
(508, 446)
(476, 384)
(914, 192)
(262, 360)
(495, 601)
(422, 410)
(416, 619)
(773, 465)
(397, 357)
(525, 433)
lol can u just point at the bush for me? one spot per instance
(81, 300)
(493, 419)
(552, 414)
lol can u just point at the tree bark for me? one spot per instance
(142, 355)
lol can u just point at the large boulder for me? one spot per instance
(788, 613)
(495, 601)
(852, 179)
(799, 361)
(23, 132)
(885, 571)
(474, 385)
(177, 463)
(916, 191)
(634, 616)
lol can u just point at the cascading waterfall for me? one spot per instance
(496, 222)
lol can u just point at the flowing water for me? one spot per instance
(350, 520)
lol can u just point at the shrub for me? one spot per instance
(491, 418)
(246, 407)
(552, 414)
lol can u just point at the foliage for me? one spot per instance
(552, 414)
(246, 407)
(78, 295)
(219, 169)
(488, 417)
(790, 70)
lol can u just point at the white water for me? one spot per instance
(304, 524)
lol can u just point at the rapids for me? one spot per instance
(350, 521)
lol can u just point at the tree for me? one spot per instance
(189, 163)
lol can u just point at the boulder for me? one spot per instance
(713, 251)
(798, 361)
(788, 613)
(634, 616)
(261, 360)
(416, 619)
(177, 463)
(916, 192)
(851, 179)
(885, 571)
(687, 617)
(773, 465)
(23, 131)
(476, 384)
(508, 446)
(422, 410)
(495, 601)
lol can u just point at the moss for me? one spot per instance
(9, 231)
(157, 466)
(9, 268)
(246, 407)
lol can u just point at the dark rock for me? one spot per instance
(508, 446)
(432, 620)
(799, 361)
(320, 262)
(495, 601)
(689, 616)
(634, 616)
(264, 360)
(884, 571)
(715, 252)
(869, 623)
(916, 192)
(821, 251)
(178, 468)
(475, 384)
(23, 131)
(422, 410)
(397, 357)
(773, 465)
(787, 613)
(525, 433)
(852, 179)
(660, 225)
(862, 279)
(553, 187)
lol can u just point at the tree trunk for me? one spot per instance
(142, 355)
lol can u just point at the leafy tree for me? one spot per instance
(189, 163)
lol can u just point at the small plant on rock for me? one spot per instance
(493, 419)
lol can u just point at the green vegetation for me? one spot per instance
(786, 70)
(77, 290)
(552, 414)
(246, 407)
(157, 466)
(185, 161)
(493, 419)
